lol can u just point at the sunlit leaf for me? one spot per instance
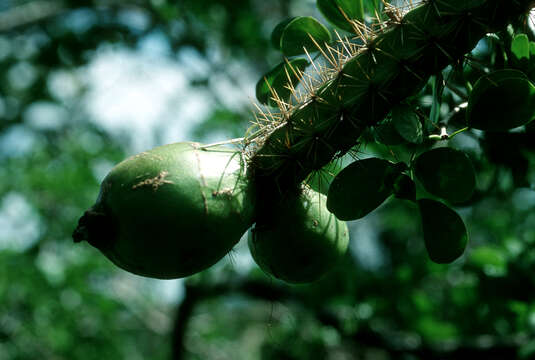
(277, 32)
(303, 32)
(336, 11)
(278, 79)
(520, 47)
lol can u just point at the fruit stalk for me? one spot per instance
(394, 64)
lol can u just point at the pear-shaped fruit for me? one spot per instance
(172, 211)
(303, 240)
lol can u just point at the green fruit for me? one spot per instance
(302, 242)
(172, 211)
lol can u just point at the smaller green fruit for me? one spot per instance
(302, 242)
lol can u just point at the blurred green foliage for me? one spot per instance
(387, 300)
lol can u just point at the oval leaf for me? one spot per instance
(277, 32)
(334, 11)
(446, 173)
(407, 124)
(360, 188)
(520, 47)
(298, 35)
(278, 79)
(500, 101)
(444, 231)
(320, 181)
(386, 134)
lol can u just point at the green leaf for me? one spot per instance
(321, 180)
(386, 134)
(407, 124)
(531, 49)
(360, 188)
(444, 232)
(373, 7)
(334, 11)
(438, 90)
(405, 188)
(502, 100)
(520, 47)
(277, 80)
(277, 32)
(446, 173)
(298, 33)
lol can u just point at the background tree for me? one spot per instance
(386, 300)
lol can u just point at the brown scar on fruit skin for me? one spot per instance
(155, 182)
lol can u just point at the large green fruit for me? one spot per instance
(172, 211)
(303, 240)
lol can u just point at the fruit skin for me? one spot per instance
(171, 211)
(303, 240)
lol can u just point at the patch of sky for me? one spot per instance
(367, 249)
(20, 225)
(5, 47)
(17, 141)
(196, 64)
(129, 93)
(21, 75)
(155, 44)
(101, 167)
(51, 264)
(45, 115)
(64, 85)
(135, 19)
(524, 199)
(531, 19)
(79, 21)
